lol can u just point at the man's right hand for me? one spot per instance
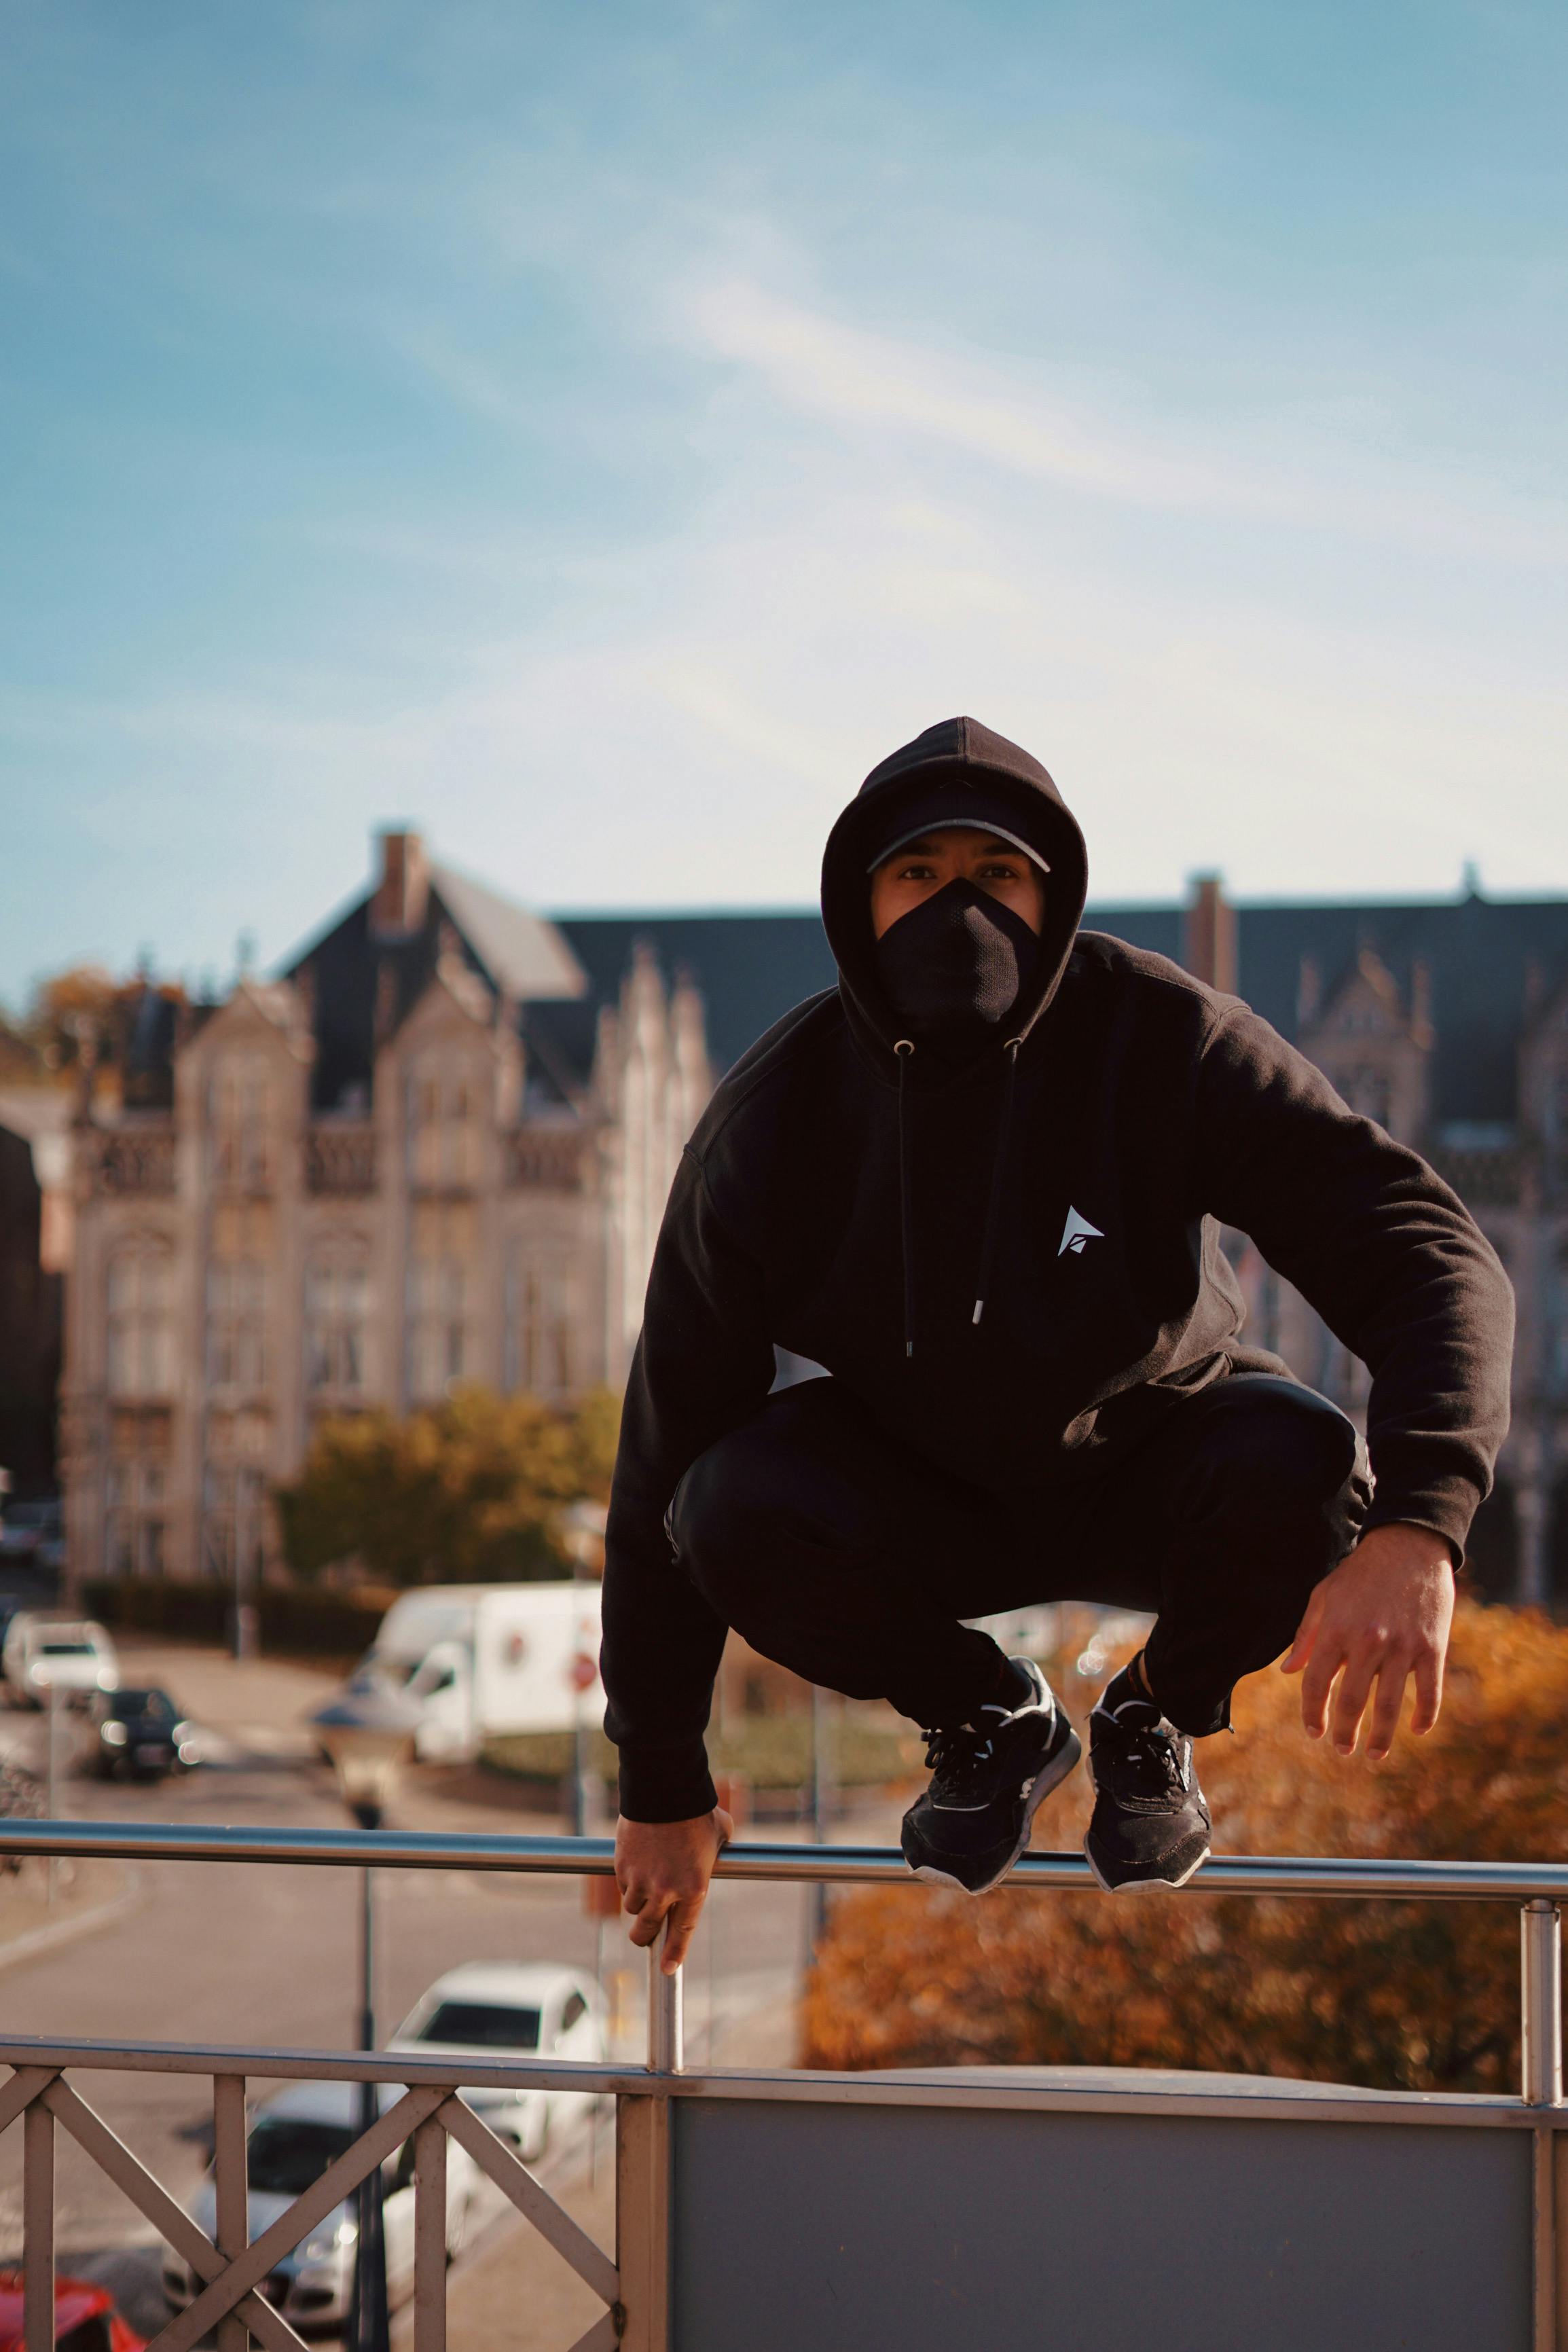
(663, 1870)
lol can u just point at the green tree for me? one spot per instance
(1403, 1996)
(471, 1490)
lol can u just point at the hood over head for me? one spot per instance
(956, 773)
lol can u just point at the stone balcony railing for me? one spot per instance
(340, 1160)
(541, 1158)
(131, 1162)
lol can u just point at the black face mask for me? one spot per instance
(954, 966)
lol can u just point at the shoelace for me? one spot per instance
(955, 1754)
(1151, 1757)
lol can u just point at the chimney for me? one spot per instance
(403, 891)
(1209, 945)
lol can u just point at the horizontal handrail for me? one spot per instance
(1077, 2089)
(1227, 1874)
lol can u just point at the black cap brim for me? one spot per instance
(945, 811)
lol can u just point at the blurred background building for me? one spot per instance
(428, 1152)
(436, 1148)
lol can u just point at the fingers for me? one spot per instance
(1323, 1664)
(682, 1927)
(648, 1914)
(1300, 1649)
(1429, 1691)
(1350, 1699)
(1391, 1680)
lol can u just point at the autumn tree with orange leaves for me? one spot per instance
(1403, 1996)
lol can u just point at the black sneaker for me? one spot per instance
(1150, 1825)
(987, 1780)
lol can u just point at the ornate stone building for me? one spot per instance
(430, 1152)
(438, 1147)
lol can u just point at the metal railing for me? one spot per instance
(634, 2285)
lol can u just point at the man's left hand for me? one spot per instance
(1381, 1616)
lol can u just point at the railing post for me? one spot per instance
(38, 2229)
(430, 2236)
(1541, 2068)
(230, 2191)
(666, 2019)
(643, 2176)
(1540, 1974)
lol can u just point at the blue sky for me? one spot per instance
(596, 434)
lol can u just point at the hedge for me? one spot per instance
(292, 1620)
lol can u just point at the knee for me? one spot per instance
(728, 1516)
(1284, 1453)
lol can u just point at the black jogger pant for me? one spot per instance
(841, 1554)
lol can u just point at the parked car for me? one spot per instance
(29, 1529)
(509, 2009)
(292, 2140)
(85, 2317)
(41, 1650)
(138, 1734)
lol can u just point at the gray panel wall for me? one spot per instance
(834, 2229)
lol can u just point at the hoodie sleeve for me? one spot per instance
(703, 1365)
(1389, 1257)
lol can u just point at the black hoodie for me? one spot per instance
(1142, 1106)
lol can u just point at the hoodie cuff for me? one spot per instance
(667, 1784)
(1447, 1506)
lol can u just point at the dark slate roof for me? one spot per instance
(751, 967)
(1478, 952)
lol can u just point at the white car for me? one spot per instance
(292, 2140)
(43, 1652)
(506, 2009)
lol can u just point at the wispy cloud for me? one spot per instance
(1311, 471)
(816, 364)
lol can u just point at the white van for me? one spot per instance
(481, 1659)
(43, 1652)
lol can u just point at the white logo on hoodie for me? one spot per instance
(1076, 1232)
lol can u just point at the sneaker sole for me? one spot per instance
(1051, 1774)
(1122, 1884)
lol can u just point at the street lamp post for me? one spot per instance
(369, 1735)
(583, 1534)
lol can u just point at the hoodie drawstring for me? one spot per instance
(998, 1172)
(904, 1048)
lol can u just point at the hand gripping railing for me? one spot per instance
(636, 2287)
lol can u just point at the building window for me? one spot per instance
(137, 1501)
(443, 1109)
(239, 1107)
(233, 1535)
(236, 1324)
(336, 1301)
(1369, 1092)
(538, 1322)
(441, 1298)
(238, 1454)
(140, 1356)
(437, 1324)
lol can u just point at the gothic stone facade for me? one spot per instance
(440, 1147)
(427, 1154)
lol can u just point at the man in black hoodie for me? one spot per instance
(980, 1184)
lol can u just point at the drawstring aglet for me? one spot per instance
(979, 1310)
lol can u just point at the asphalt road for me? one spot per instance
(262, 1955)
